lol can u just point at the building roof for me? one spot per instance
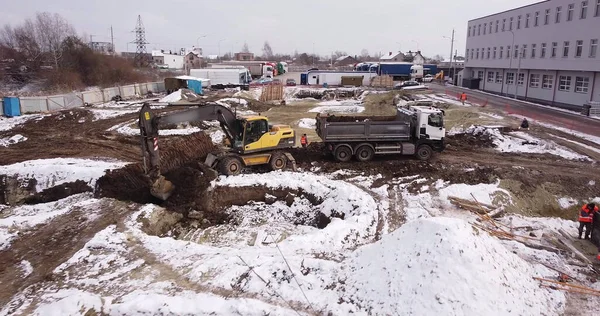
(517, 8)
(343, 57)
(392, 56)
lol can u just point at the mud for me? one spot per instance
(58, 192)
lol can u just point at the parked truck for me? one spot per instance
(224, 78)
(416, 130)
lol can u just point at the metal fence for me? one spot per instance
(78, 99)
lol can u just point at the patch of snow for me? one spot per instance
(310, 123)
(567, 202)
(491, 115)
(7, 141)
(8, 123)
(173, 97)
(253, 93)
(69, 302)
(228, 102)
(591, 138)
(217, 137)
(442, 266)
(419, 87)
(55, 171)
(101, 114)
(126, 129)
(484, 193)
(338, 109)
(26, 268)
(594, 149)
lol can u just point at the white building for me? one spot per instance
(391, 56)
(166, 59)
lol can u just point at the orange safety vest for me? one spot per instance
(463, 96)
(585, 216)
(303, 140)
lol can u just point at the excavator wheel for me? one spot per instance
(278, 161)
(230, 166)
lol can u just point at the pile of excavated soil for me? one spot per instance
(131, 184)
(58, 192)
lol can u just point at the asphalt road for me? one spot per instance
(558, 117)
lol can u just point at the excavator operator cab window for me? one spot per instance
(255, 130)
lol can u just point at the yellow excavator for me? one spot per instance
(250, 140)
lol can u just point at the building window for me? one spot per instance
(593, 47)
(472, 52)
(524, 52)
(467, 55)
(501, 52)
(584, 5)
(578, 48)
(527, 20)
(510, 78)
(534, 81)
(495, 52)
(508, 51)
(547, 17)
(564, 83)
(469, 33)
(478, 29)
(519, 22)
(597, 13)
(547, 81)
(521, 79)
(484, 28)
(490, 30)
(570, 12)
(510, 24)
(566, 49)
(503, 25)
(490, 77)
(477, 56)
(543, 51)
(489, 51)
(480, 74)
(533, 46)
(582, 84)
(516, 54)
(536, 20)
(554, 49)
(558, 11)
(499, 77)
(498, 23)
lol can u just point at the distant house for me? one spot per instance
(391, 56)
(166, 59)
(193, 59)
(345, 61)
(418, 59)
(244, 56)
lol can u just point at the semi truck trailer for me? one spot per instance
(417, 130)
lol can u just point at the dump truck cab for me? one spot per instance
(429, 122)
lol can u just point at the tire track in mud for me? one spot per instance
(48, 245)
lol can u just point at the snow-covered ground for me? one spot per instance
(52, 172)
(8, 123)
(307, 123)
(127, 129)
(521, 142)
(7, 141)
(339, 106)
(103, 114)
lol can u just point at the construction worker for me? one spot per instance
(585, 219)
(304, 141)
(463, 98)
(525, 124)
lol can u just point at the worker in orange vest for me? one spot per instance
(463, 98)
(585, 219)
(304, 141)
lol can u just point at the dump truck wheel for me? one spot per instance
(278, 161)
(364, 153)
(424, 152)
(343, 154)
(230, 166)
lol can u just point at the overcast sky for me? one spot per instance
(329, 25)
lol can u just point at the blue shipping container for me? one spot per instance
(304, 79)
(11, 106)
(195, 85)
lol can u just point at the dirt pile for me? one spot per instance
(58, 192)
(131, 184)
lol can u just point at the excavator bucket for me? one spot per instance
(162, 188)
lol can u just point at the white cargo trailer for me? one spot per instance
(224, 78)
(334, 78)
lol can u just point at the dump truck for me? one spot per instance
(415, 130)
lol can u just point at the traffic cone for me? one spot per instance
(598, 256)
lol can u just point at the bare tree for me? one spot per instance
(245, 48)
(267, 50)
(364, 53)
(52, 30)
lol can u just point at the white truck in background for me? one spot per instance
(221, 78)
(257, 69)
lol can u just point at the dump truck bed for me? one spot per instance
(363, 128)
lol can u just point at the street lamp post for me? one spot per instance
(451, 57)
(399, 46)
(198, 40)
(416, 43)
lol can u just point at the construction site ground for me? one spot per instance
(557, 166)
